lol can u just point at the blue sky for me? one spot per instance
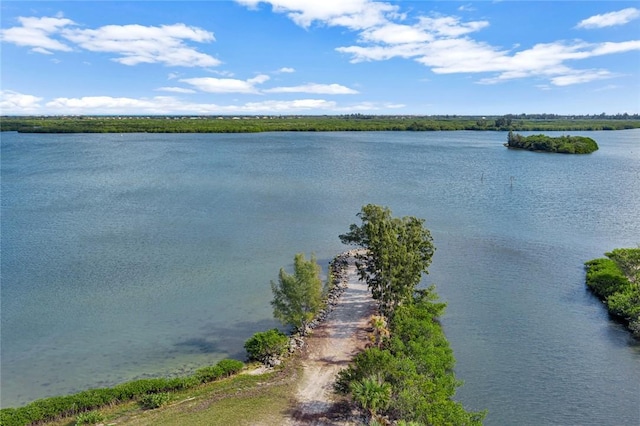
(320, 57)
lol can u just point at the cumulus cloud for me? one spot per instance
(610, 19)
(37, 33)
(286, 70)
(353, 14)
(134, 44)
(18, 103)
(445, 44)
(226, 85)
(326, 89)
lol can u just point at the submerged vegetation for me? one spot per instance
(615, 279)
(324, 123)
(562, 144)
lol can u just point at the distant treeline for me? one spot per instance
(562, 144)
(325, 123)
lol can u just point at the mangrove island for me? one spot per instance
(542, 143)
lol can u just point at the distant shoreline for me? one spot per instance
(344, 123)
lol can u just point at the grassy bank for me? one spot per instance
(244, 399)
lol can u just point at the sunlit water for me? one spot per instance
(131, 255)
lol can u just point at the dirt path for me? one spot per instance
(330, 349)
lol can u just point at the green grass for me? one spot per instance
(244, 399)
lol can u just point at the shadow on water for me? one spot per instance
(223, 339)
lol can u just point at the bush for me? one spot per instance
(154, 400)
(267, 344)
(89, 418)
(604, 277)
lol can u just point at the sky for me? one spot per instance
(316, 57)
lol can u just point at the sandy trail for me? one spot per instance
(330, 348)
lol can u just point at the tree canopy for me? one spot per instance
(297, 298)
(399, 251)
(562, 144)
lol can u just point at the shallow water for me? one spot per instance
(141, 254)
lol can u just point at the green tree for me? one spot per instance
(372, 394)
(399, 251)
(297, 298)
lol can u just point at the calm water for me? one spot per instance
(132, 255)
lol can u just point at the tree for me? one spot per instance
(297, 298)
(399, 251)
(372, 394)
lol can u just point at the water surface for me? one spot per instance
(137, 255)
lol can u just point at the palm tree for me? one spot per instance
(371, 394)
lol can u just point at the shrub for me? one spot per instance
(154, 400)
(267, 344)
(89, 418)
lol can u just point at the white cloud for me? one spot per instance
(37, 34)
(610, 19)
(582, 76)
(226, 85)
(326, 89)
(444, 43)
(353, 14)
(18, 103)
(286, 70)
(175, 90)
(134, 44)
(138, 44)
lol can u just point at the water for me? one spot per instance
(132, 255)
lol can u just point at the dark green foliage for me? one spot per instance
(417, 365)
(399, 251)
(353, 122)
(409, 376)
(604, 277)
(47, 409)
(297, 298)
(562, 144)
(224, 368)
(615, 280)
(154, 400)
(266, 344)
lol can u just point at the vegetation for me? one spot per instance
(265, 345)
(563, 144)
(615, 279)
(154, 400)
(297, 298)
(352, 122)
(89, 418)
(407, 375)
(48, 409)
(399, 251)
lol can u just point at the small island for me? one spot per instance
(562, 144)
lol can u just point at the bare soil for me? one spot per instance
(329, 349)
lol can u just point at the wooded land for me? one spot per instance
(276, 123)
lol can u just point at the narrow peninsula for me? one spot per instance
(562, 144)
